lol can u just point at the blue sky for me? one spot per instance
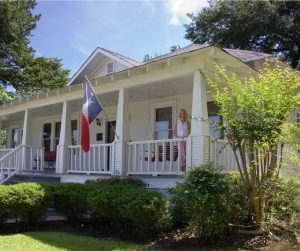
(71, 30)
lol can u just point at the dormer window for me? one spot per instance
(110, 68)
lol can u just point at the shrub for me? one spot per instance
(26, 201)
(69, 199)
(126, 207)
(237, 202)
(285, 203)
(3, 203)
(203, 195)
(116, 180)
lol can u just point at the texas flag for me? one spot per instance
(90, 110)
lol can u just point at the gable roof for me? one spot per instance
(244, 56)
(93, 60)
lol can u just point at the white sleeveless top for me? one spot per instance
(182, 129)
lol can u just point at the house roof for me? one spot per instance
(125, 58)
(243, 55)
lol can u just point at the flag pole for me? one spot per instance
(106, 115)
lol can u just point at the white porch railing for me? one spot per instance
(222, 155)
(98, 160)
(5, 151)
(20, 158)
(155, 157)
(33, 158)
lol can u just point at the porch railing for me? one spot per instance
(222, 155)
(155, 157)
(5, 151)
(20, 158)
(98, 160)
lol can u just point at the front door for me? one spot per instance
(110, 137)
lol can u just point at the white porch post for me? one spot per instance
(26, 138)
(64, 139)
(121, 136)
(199, 129)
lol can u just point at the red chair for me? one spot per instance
(167, 152)
(50, 157)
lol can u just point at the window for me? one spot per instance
(163, 123)
(57, 134)
(110, 68)
(47, 136)
(213, 115)
(14, 137)
(74, 132)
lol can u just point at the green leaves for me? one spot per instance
(266, 26)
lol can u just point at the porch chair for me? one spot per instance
(168, 154)
(50, 157)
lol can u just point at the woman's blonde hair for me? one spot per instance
(186, 116)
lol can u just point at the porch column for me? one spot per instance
(121, 136)
(26, 139)
(64, 139)
(198, 141)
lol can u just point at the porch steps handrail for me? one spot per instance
(11, 170)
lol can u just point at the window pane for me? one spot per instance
(47, 131)
(213, 115)
(47, 144)
(57, 129)
(163, 123)
(74, 132)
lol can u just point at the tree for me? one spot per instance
(256, 111)
(265, 26)
(19, 68)
(174, 48)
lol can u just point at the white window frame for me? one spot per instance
(113, 68)
(52, 137)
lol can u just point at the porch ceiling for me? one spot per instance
(162, 89)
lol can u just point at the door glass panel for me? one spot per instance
(47, 136)
(14, 137)
(74, 132)
(163, 123)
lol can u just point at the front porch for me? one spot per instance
(134, 134)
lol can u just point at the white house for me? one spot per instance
(133, 136)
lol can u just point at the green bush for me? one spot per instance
(68, 199)
(131, 208)
(3, 203)
(116, 180)
(237, 201)
(203, 195)
(24, 200)
(285, 203)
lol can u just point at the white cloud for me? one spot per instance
(179, 9)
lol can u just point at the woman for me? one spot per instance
(182, 129)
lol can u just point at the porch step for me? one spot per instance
(32, 177)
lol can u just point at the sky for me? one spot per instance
(71, 30)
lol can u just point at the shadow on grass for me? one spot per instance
(72, 242)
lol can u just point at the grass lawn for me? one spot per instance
(54, 241)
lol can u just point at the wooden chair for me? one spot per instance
(50, 157)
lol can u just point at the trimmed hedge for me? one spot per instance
(68, 199)
(137, 209)
(26, 201)
(119, 203)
